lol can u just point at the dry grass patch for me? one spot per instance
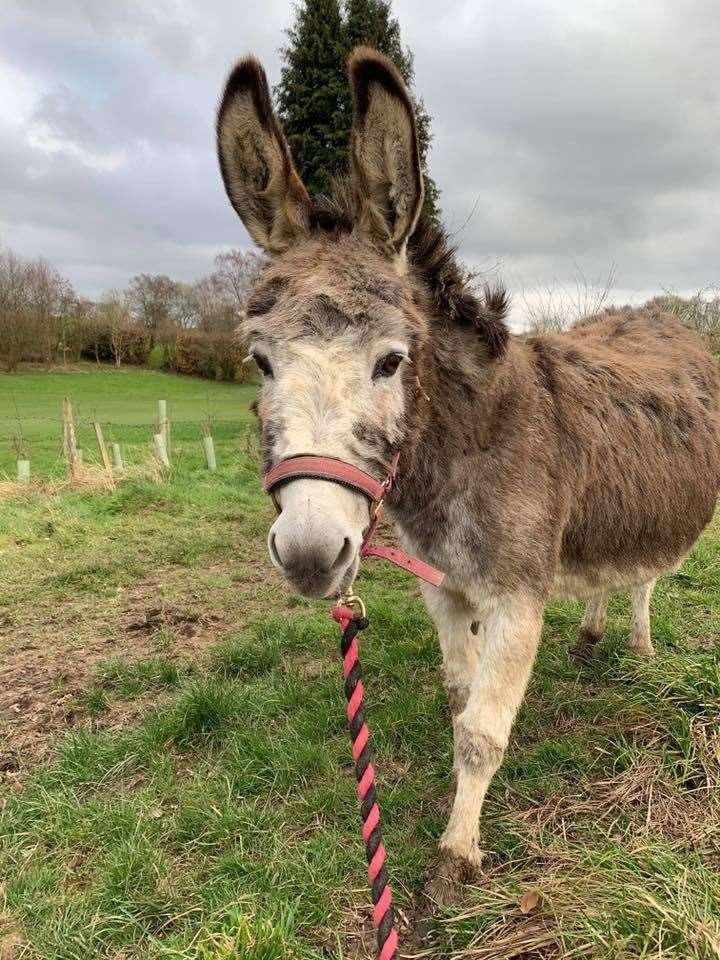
(89, 479)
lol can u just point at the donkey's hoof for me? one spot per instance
(642, 648)
(447, 875)
(584, 648)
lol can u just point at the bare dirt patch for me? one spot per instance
(51, 662)
(11, 944)
(525, 930)
(415, 928)
(51, 659)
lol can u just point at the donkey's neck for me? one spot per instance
(458, 418)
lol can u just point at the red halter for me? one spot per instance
(311, 466)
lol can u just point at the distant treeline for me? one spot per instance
(187, 327)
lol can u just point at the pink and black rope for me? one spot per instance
(383, 913)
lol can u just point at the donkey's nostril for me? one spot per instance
(272, 546)
(344, 556)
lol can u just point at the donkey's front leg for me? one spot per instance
(482, 730)
(460, 641)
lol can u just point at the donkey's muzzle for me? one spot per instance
(316, 562)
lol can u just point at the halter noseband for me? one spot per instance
(311, 466)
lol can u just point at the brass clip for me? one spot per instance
(354, 602)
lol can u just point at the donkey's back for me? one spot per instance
(637, 397)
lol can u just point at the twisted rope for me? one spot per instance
(383, 913)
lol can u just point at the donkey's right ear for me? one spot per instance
(255, 162)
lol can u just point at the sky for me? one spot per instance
(574, 142)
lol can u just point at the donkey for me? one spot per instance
(566, 465)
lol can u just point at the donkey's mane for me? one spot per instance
(453, 292)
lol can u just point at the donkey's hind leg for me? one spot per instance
(640, 641)
(592, 628)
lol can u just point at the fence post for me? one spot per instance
(117, 457)
(23, 471)
(208, 447)
(72, 453)
(101, 446)
(160, 449)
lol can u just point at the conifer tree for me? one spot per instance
(314, 98)
(312, 92)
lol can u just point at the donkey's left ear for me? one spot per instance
(255, 161)
(384, 157)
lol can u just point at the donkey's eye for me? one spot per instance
(386, 366)
(263, 364)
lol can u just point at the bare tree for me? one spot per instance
(113, 314)
(162, 305)
(15, 332)
(236, 271)
(184, 306)
(150, 298)
(216, 307)
(77, 329)
(50, 296)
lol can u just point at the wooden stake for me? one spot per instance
(69, 442)
(117, 458)
(101, 446)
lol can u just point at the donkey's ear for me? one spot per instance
(384, 157)
(260, 179)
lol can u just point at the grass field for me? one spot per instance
(176, 777)
(124, 401)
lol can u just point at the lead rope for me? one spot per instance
(383, 914)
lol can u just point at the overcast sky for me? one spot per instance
(577, 136)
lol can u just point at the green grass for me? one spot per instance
(203, 805)
(125, 403)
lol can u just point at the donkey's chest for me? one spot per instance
(473, 541)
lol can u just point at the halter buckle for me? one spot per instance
(353, 602)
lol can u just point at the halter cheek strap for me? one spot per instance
(310, 466)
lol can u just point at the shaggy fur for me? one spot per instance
(446, 291)
(573, 465)
(582, 461)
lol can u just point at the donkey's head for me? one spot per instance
(333, 322)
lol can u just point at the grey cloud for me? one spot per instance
(576, 134)
(583, 132)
